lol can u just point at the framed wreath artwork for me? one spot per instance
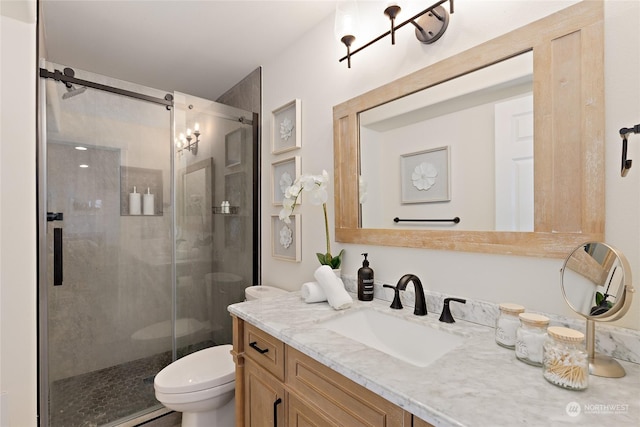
(285, 239)
(285, 127)
(283, 174)
(425, 176)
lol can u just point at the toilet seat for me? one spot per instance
(197, 372)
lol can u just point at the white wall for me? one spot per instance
(17, 214)
(309, 70)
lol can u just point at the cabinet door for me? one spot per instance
(301, 415)
(264, 398)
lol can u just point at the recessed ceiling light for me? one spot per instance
(84, 166)
(81, 148)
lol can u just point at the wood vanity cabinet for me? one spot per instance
(277, 386)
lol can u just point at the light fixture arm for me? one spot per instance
(348, 40)
(392, 12)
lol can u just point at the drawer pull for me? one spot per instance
(254, 345)
(275, 411)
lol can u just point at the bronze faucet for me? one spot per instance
(420, 304)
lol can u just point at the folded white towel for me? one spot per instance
(337, 296)
(312, 292)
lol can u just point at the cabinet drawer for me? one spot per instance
(344, 401)
(265, 350)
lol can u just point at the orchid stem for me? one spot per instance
(326, 228)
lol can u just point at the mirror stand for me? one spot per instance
(600, 365)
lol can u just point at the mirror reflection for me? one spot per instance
(462, 148)
(195, 201)
(594, 281)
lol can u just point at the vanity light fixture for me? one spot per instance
(624, 133)
(185, 142)
(430, 25)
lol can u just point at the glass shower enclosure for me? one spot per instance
(138, 261)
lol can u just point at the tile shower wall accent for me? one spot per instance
(245, 94)
(621, 343)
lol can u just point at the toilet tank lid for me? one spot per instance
(197, 371)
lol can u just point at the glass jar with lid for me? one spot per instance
(507, 324)
(565, 360)
(530, 337)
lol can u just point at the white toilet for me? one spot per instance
(201, 385)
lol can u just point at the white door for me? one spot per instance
(514, 164)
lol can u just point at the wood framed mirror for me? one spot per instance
(568, 100)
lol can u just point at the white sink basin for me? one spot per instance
(411, 342)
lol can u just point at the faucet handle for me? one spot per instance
(446, 311)
(396, 304)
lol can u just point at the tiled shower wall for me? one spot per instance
(247, 94)
(117, 268)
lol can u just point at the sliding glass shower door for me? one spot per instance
(148, 237)
(108, 291)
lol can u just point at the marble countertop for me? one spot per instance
(476, 384)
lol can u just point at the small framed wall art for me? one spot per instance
(285, 239)
(286, 134)
(283, 174)
(425, 176)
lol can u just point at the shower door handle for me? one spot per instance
(55, 216)
(57, 256)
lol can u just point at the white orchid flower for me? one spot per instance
(308, 182)
(284, 215)
(316, 188)
(293, 190)
(318, 196)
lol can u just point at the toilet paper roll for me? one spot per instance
(148, 204)
(134, 203)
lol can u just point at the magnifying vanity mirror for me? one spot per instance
(596, 283)
(563, 82)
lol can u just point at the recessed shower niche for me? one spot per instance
(147, 183)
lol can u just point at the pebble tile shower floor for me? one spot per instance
(107, 395)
